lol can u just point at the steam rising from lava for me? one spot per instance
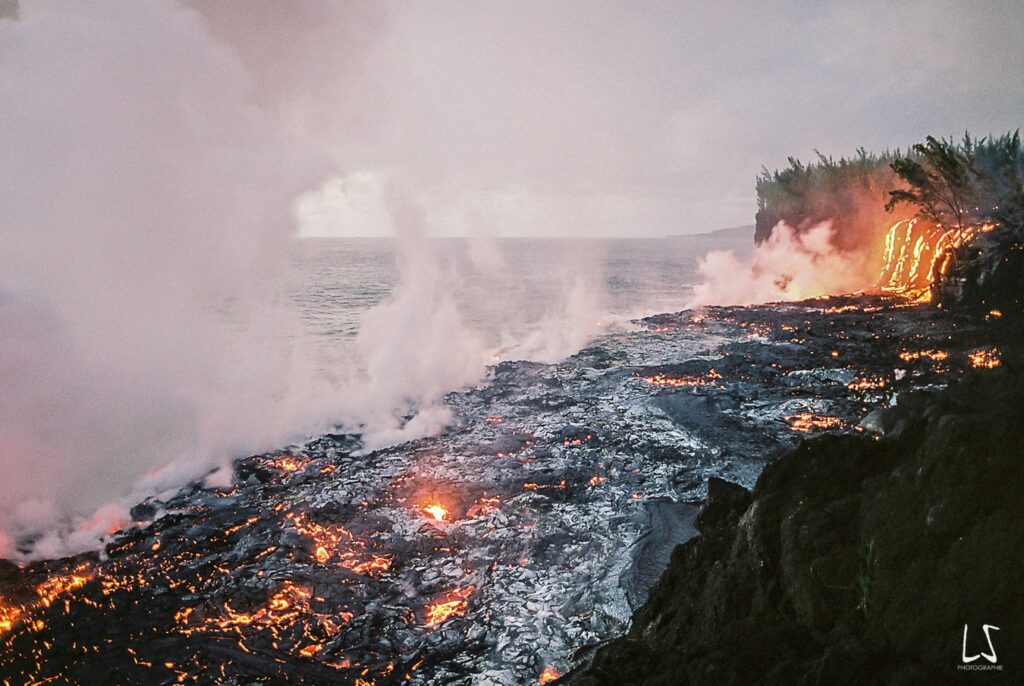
(148, 184)
(789, 265)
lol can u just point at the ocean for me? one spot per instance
(503, 288)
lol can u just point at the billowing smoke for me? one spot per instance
(788, 265)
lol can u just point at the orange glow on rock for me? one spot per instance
(454, 605)
(436, 511)
(548, 675)
(806, 422)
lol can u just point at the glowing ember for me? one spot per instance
(807, 422)
(454, 605)
(437, 512)
(985, 358)
(596, 480)
(682, 381)
(548, 675)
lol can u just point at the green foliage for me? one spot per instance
(941, 179)
(866, 575)
(956, 184)
(849, 191)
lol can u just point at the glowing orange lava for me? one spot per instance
(985, 358)
(548, 675)
(806, 422)
(668, 380)
(335, 542)
(483, 506)
(438, 512)
(48, 592)
(913, 355)
(454, 605)
(869, 383)
(917, 253)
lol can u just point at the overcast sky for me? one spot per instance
(605, 118)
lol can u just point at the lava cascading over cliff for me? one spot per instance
(918, 253)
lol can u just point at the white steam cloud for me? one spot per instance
(789, 265)
(143, 214)
(149, 170)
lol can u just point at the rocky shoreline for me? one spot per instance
(507, 549)
(856, 559)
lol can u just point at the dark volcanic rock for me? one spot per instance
(523, 537)
(856, 560)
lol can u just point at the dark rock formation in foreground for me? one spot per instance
(856, 559)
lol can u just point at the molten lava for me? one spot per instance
(985, 358)
(11, 614)
(548, 675)
(868, 383)
(806, 422)
(438, 512)
(913, 355)
(454, 605)
(668, 380)
(917, 253)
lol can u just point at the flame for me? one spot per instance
(437, 511)
(454, 605)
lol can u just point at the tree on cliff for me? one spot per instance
(941, 179)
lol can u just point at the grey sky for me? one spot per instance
(608, 118)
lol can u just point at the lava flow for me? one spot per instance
(454, 605)
(443, 562)
(672, 381)
(917, 253)
(436, 511)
